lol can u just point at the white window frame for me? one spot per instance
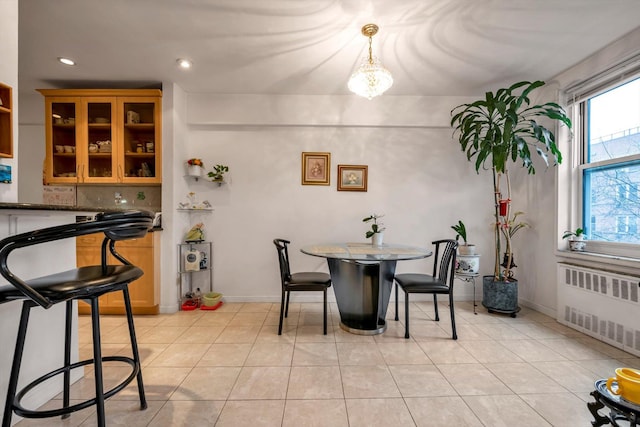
(579, 105)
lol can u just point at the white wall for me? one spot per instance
(32, 147)
(174, 142)
(418, 177)
(9, 76)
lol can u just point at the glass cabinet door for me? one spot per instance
(99, 144)
(63, 140)
(103, 136)
(141, 131)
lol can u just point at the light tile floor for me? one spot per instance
(230, 368)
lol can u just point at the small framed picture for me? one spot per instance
(316, 168)
(352, 177)
(5, 174)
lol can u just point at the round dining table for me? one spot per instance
(362, 277)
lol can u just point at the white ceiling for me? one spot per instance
(432, 47)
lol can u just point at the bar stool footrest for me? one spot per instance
(28, 413)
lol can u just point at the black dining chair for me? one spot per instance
(303, 281)
(83, 283)
(440, 282)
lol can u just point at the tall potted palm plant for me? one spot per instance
(494, 132)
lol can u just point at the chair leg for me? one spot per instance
(281, 314)
(325, 312)
(15, 366)
(67, 356)
(435, 304)
(406, 315)
(134, 347)
(97, 362)
(396, 318)
(453, 318)
(286, 308)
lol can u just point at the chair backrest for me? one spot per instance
(283, 260)
(116, 225)
(444, 262)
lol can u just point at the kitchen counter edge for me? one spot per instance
(45, 207)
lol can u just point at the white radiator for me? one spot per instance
(602, 304)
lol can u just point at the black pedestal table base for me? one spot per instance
(619, 409)
(362, 292)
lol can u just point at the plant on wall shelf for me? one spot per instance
(194, 167)
(218, 172)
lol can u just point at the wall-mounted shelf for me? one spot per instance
(6, 121)
(195, 209)
(197, 178)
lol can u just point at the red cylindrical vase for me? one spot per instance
(504, 204)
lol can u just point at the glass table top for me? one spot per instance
(366, 251)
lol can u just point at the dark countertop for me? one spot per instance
(43, 207)
(32, 208)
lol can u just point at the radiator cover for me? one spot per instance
(600, 303)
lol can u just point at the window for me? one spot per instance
(610, 167)
(626, 224)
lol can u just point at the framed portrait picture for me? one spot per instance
(316, 168)
(352, 177)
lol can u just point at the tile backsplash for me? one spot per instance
(118, 196)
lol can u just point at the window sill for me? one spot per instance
(596, 260)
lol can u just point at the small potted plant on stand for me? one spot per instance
(492, 131)
(467, 261)
(194, 167)
(377, 230)
(576, 239)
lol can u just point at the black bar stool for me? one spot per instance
(83, 283)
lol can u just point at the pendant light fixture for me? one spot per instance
(371, 79)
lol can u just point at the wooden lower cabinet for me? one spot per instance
(143, 253)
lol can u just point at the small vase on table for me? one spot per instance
(376, 239)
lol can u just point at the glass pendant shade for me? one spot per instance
(371, 79)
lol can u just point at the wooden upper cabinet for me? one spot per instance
(6, 121)
(103, 136)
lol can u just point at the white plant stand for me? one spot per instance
(469, 278)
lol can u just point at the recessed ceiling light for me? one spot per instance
(184, 63)
(67, 61)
